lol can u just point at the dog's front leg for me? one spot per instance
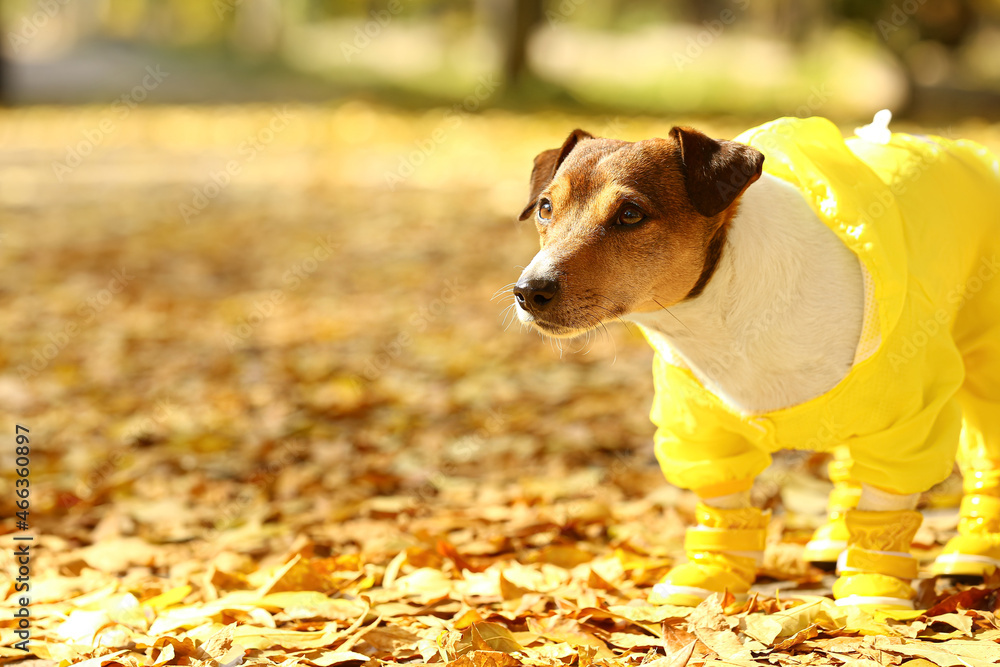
(724, 550)
(877, 567)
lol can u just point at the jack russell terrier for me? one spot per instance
(800, 291)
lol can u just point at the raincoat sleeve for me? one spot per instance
(698, 443)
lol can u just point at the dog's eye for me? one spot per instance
(630, 215)
(544, 209)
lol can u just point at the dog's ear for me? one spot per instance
(546, 165)
(715, 172)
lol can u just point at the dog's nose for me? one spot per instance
(534, 294)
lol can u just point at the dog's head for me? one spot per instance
(627, 226)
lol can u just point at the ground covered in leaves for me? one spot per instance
(275, 417)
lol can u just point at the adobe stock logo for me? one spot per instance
(87, 312)
(293, 278)
(711, 30)
(248, 151)
(938, 322)
(34, 22)
(117, 111)
(419, 322)
(363, 35)
(453, 119)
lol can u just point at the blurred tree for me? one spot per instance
(257, 27)
(798, 20)
(519, 19)
(699, 11)
(927, 37)
(3, 69)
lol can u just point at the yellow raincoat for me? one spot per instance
(923, 215)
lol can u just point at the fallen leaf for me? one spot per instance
(484, 659)
(960, 622)
(950, 654)
(652, 613)
(486, 636)
(255, 637)
(563, 556)
(595, 580)
(509, 591)
(799, 637)
(330, 658)
(917, 662)
(967, 599)
(109, 659)
(169, 598)
(678, 658)
(769, 628)
(424, 584)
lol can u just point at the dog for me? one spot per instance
(800, 290)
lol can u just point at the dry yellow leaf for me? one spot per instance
(678, 658)
(509, 591)
(961, 622)
(169, 598)
(330, 658)
(563, 556)
(484, 658)
(485, 636)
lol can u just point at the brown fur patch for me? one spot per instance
(713, 254)
(607, 269)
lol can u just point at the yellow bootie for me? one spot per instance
(877, 566)
(830, 539)
(873, 591)
(723, 553)
(975, 551)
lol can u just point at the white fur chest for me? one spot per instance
(779, 322)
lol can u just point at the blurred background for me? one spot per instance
(255, 256)
(764, 57)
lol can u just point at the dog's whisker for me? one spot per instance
(512, 320)
(555, 344)
(625, 322)
(612, 313)
(500, 295)
(505, 312)
(502, 290)
(614, 345)
(512, 313)
(604, 326)
(673, 316)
